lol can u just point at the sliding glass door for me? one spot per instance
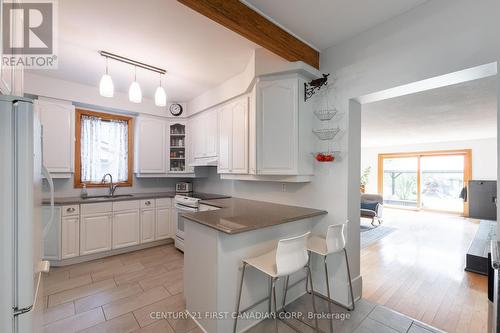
(425, 180)
(400, 181)
(442, 181)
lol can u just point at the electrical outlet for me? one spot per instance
(283, 187)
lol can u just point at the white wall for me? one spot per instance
(484, 157)
(84, 94)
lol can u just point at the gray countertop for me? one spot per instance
(239, 215)
(63, 201)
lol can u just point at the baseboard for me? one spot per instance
(80, 259)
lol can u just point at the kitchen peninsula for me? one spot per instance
(219, 240)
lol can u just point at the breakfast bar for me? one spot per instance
(217, 241)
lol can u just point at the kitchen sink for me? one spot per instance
(107, 197)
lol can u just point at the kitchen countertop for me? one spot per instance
(62, 201)
(240, 215)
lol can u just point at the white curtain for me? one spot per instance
(104, 149)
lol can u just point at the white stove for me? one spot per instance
(183, 204)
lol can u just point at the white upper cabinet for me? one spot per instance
(233, 137)
(239, 147)
(151, 146)
(178, 147)
(277, 127)
(204, 134)
(162, 148)
(225, 139)
(268, 136)
(12, 77)
(58, 121)
(211, 133)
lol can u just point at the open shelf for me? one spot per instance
(177, 148)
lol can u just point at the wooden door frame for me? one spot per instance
(467, 153)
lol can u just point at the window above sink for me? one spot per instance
(104, 144)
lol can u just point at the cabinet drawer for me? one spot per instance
(96, 208)
(148, 203)
(126, 205)
(164, 202)
(71, 210)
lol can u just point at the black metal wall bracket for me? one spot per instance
(310, 88)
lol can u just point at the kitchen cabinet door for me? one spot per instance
(151, 146)
(164, 227)
(95, 233)
(211, 126)
(148, 225)
(198, 136)
(51, 241)
(70, 237)
(277, 127)
(225, 139)
(239, 146)
(126, 228)
(58, 121)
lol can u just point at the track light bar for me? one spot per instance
(132, 62)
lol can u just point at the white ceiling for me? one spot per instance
(463, 111)
(197, 52)
(324, 23)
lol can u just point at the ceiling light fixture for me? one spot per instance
(134, 92)
(106, 87)
(160, 95)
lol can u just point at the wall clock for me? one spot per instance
(175, 109)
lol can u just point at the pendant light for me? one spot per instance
(134, 92)
(106, 87)
(160, 95)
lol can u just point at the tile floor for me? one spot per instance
(118, 294)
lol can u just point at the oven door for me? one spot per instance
(179, 224)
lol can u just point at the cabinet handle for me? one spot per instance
(147, 203)
(70, 210)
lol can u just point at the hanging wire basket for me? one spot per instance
(325, 114)
(326, 156)
(326, 134)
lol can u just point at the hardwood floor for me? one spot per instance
(418, 270)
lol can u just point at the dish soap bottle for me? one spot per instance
(84, 192)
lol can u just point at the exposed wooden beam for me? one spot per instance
(243, 20)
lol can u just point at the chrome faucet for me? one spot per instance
(112, 186)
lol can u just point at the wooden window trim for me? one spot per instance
(467, 153)
(78, 165)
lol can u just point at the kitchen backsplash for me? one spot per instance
(65, 188)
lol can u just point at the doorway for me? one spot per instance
(432, 180)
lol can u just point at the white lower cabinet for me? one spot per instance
(70, 237)
(125, 228)
(95, 233)
(163, 223)
(79, 230)
(148, 219)
(52, 239)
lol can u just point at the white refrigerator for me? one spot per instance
(22, 269)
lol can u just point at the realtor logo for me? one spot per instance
(29, 34)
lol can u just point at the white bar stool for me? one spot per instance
(333, 243)
(289, 257)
